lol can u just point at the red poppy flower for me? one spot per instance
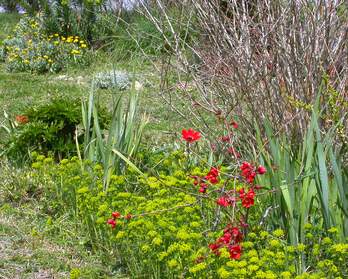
(190, 135)
(250, 177)
(235, 251)
(234, 232)
(212, 179)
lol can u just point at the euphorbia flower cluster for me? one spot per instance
(230, 239)
(211, 177)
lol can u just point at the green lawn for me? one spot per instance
(33, 247)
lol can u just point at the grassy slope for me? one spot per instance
(32, 247)
(29, 248)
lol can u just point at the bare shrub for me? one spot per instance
(255, 60)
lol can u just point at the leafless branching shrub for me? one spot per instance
(255, 59)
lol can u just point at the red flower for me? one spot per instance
(22, 119)
(195, 181)
(212, 175)
(128, 216)
(116, 215)
(248, 172)
(236, 234)
(213, 171)
(112, 223)
(261, 170)
(203, 188)
(222, 201)
(212, 179)
(235, 251)
(190, 135)
(234, 124)
(230, 239)
(247, 198)
(225, 138)
(250, 177)
(251, 194)
(215, 248)
(226, 238)
(245, 165)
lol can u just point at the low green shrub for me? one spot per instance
(46, 128)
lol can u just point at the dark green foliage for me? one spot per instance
(51, 128)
